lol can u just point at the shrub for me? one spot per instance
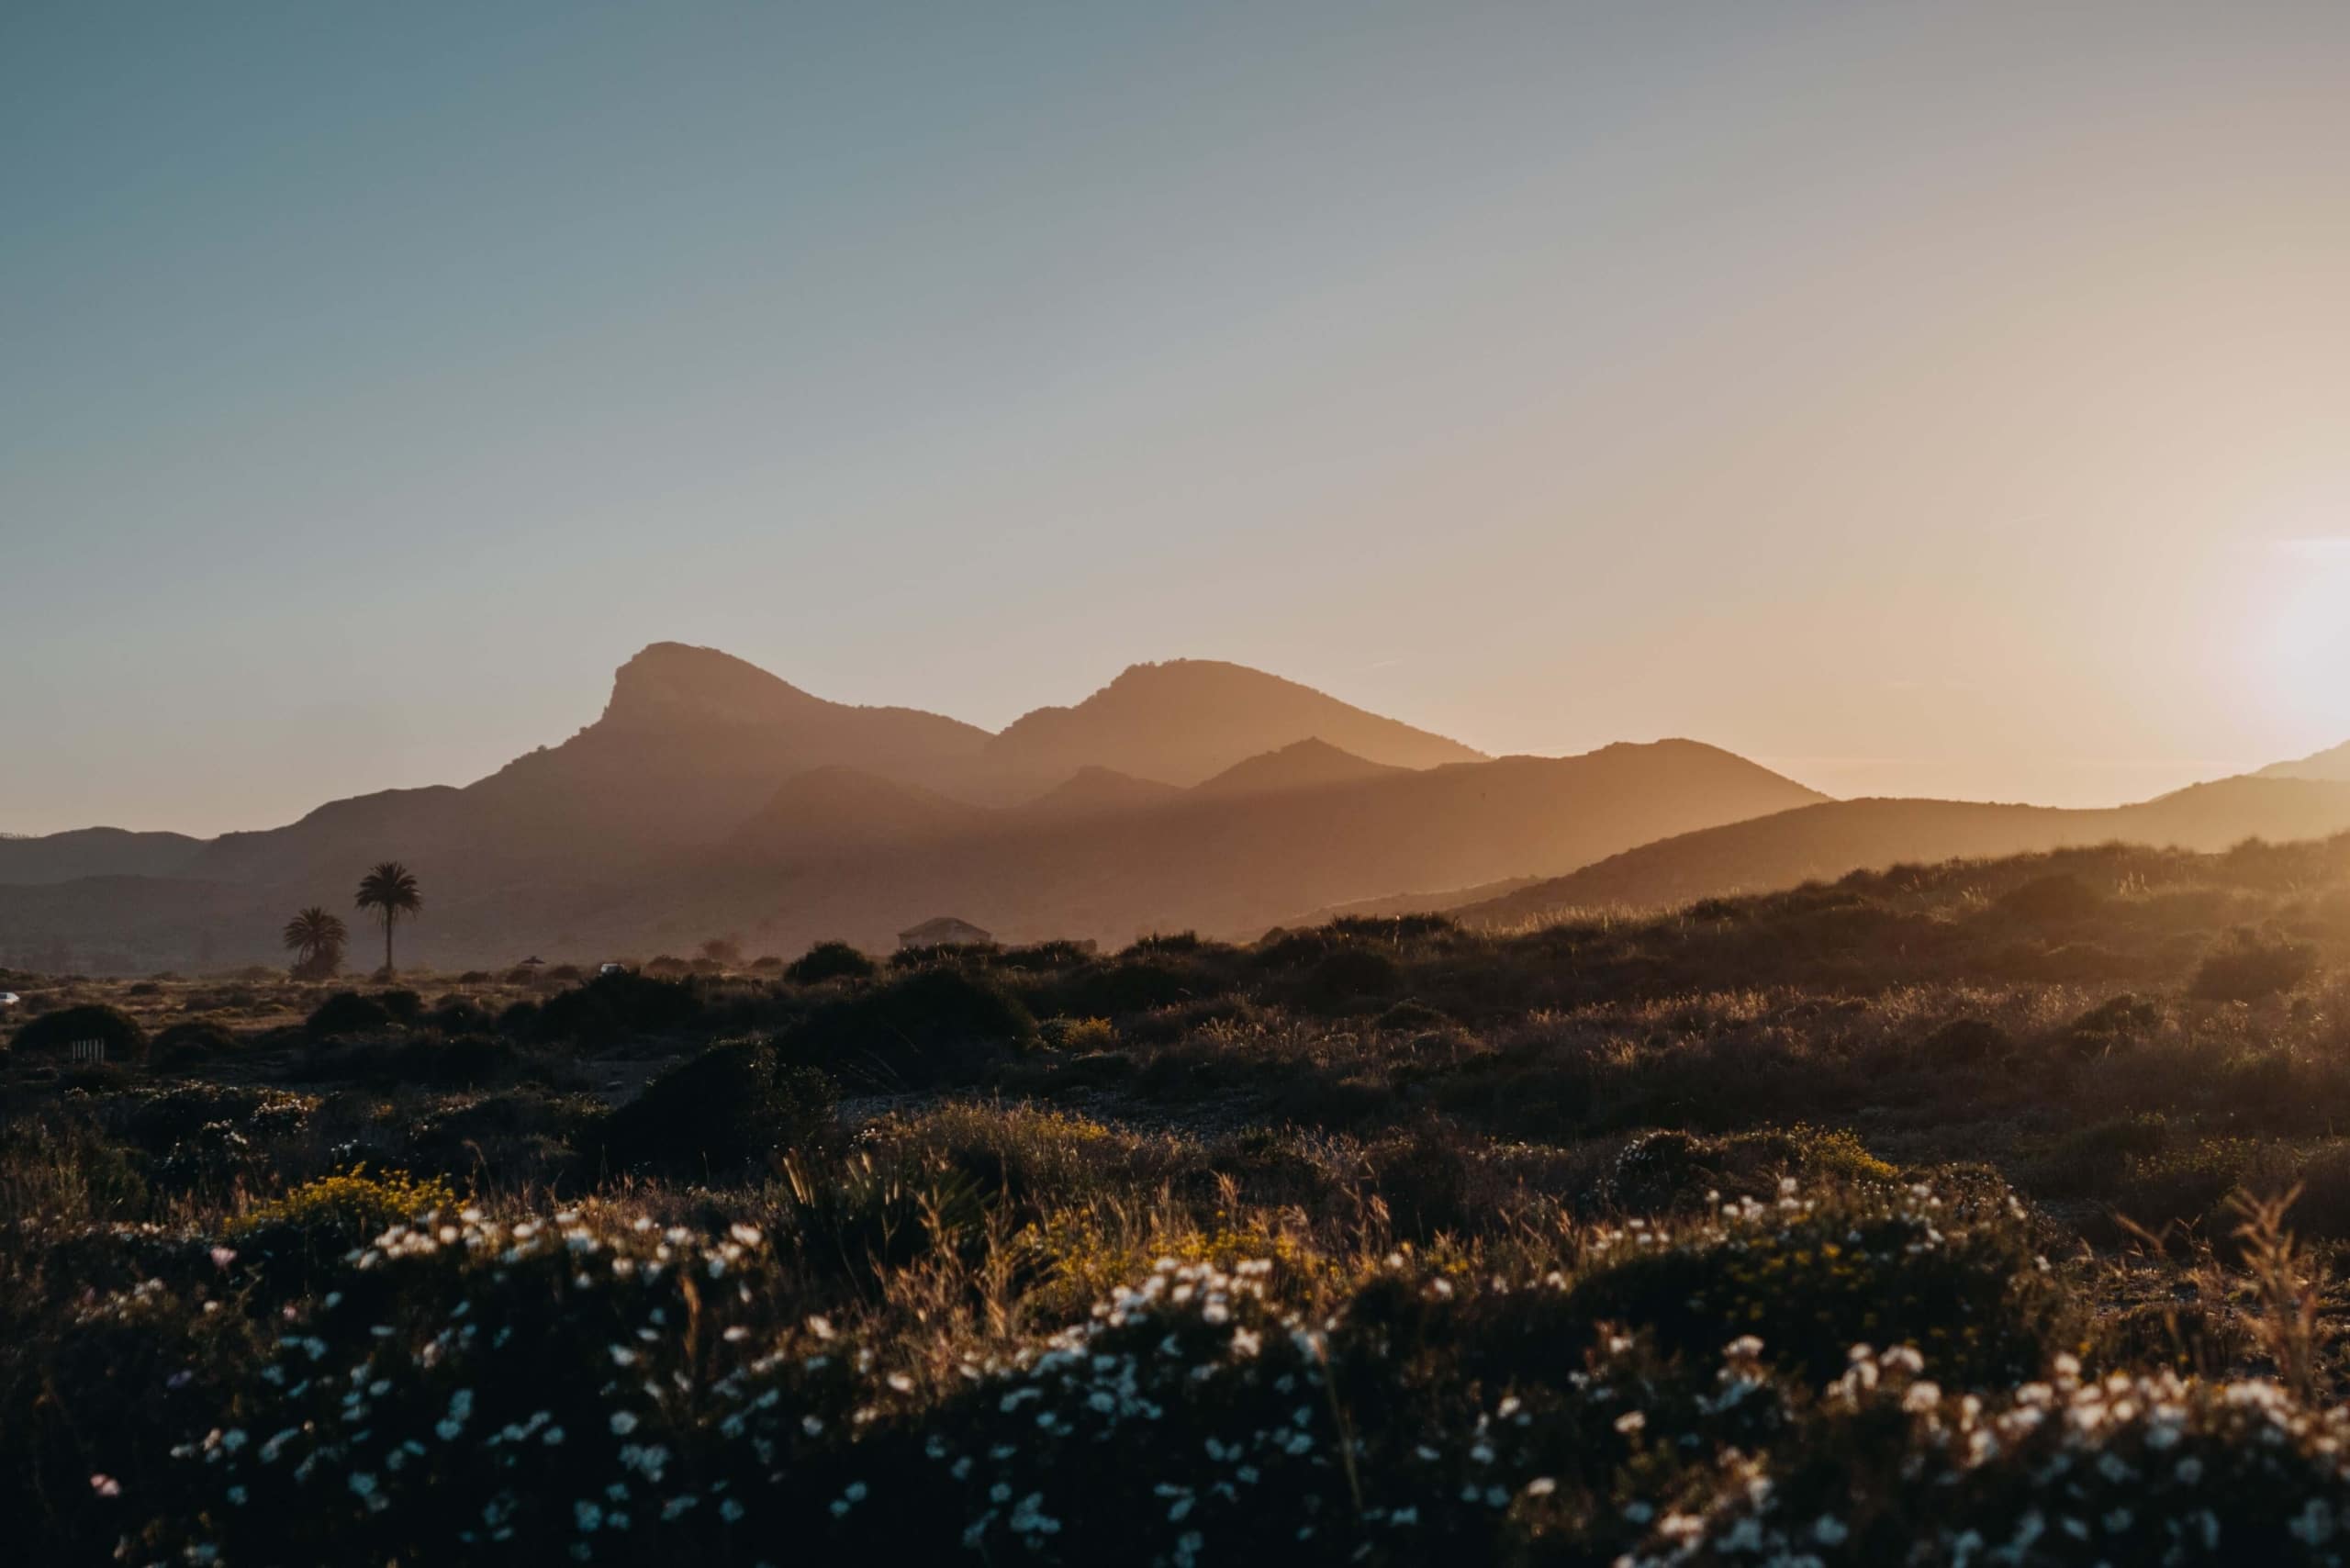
(1122, 987)
(1959, 1282)
(1349, 978)
(67, 1027)
(320, 1221)
(323, 964)
(2248, 968)
(1077, 1035)
(2056, 898)
(459, 1015)
(727, 1109)
(2116, 1021)
(2089, 1161)
(191, 1040)
(1966, 1041)
(347, 1013)
(612, 1007)
(930, 1026)
(831, 961)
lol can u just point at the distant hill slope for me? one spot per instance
(2331, 766)
(835, 812)
(1095, 791)
(1302, 765)
(1820, 843)
(1187, 720)
(95, 852)
(1232, 864)
(836, 852)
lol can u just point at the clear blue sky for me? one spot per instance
(1924, 398)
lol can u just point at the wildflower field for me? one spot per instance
(1965, 1215)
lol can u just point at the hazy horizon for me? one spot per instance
(1914, 400)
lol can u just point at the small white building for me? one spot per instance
(944, 930)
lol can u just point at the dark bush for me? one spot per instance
(67, 1027)
(459, 1015)
(1410, 1017)
(1350, 979)
(469, 1062)
(1122, 987)
(2060, 896)
(2247, 967)
(1959, 1282)
(1966, 1041)
(1041, 958)
(2116, 1021)
(192, 1040)
(728, 1110)
(404, 1006)
(971, 954)
(831, 961)
(932, 1026)
(347, 1013)
(612, 1007)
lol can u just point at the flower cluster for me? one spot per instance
(2068, 1469)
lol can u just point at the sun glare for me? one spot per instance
(2305, 646)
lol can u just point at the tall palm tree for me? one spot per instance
(313, 934)
(390, 890)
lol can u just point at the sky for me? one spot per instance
(1922, 399)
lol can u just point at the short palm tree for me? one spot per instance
(390, 890)
(311, 934)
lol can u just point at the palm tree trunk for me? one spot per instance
(387, 944)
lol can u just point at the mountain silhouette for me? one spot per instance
(692, 742)
(95, 852)
(1302, 764)
(1822, 842)
(2331, 766)
(1097, 791)
(1185, 721)
(1230, 864)
(840, 851)
(834, 812)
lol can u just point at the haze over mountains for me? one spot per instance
(1822, 842)
(710, 798)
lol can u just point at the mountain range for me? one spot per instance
(710, 798)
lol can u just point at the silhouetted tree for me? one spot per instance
(390, 890)
(316, 939)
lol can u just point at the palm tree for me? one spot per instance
(390, 890)
(312, 935)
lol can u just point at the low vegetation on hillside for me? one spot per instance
(1935, 1215)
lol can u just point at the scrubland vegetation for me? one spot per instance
(1932, 1217)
